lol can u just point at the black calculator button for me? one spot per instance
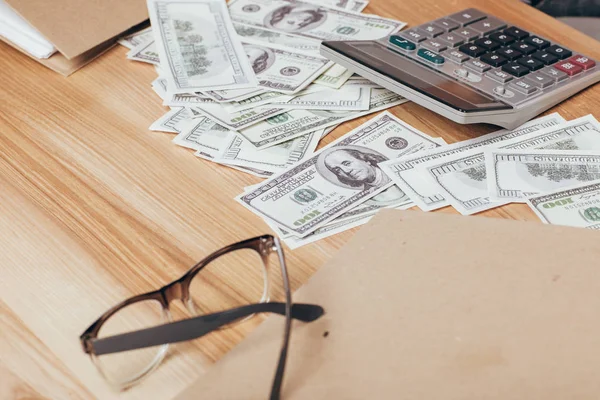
(530, 63)
(502, 38)
(520, 34)
(446, 24)
(537, 42)
(559, 52)
(452, 39)
(414, 35)
(487, 25)
(472, 50)
(509, 53)
(523, 47)
(515, 69)
(495, 60)
(487, 44)
(467, 16)
(544, 57)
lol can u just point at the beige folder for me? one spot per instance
(436, 306)
(81, 30)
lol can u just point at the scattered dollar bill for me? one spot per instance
(171, 120)
(311, 20)
(238, 151)
(258, 100)
(330, 229)
(577, 206)
(226, 96)
(513, 175)
(144, 52)
(137, 38)
(267, 37)
(240, 120)
(422, 189)
(336, 178)
(291, 124)
(280, 70)
(343, 99)
(198, 46)
(334, 77)
(204, 135)
(186, 100)
(159, 85)
(462, 178)
(352, 5)
(362, 82)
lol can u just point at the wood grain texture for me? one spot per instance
(95, 208)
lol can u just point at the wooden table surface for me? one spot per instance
(95, 208)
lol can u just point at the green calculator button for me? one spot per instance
(430, 56)
(402, 43)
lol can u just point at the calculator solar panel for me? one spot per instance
(471, 67)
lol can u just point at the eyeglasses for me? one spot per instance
(131, 339)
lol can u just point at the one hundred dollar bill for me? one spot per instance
(280, 70)
(239, 120)
(422, 189)
(336, 178)
(351, 5)
(137, 38)
(159, 85)
(198, 47)
(186, 100)
(462, 178)
(294, 123)
(330, 229)
(171, 121)
(238, 151)
(204, 135)
(513, 175)
(577, 206)
(267, 37)
(334, 77)
(268, 98)
(227, 96)
(145, 52)
(311, 20)
(344, 99)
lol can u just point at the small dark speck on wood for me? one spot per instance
(326, 333)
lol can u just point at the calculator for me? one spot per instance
(471, 67)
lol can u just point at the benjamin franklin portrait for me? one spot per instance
(261, 58)
(352, 167)
(296, 18)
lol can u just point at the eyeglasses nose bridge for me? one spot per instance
(173, 291)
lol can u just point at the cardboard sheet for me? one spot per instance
(436, 306)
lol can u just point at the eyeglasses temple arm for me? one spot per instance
(194, 328)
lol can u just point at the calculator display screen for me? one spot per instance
(379, 58)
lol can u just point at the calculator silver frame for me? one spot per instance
(508, 119)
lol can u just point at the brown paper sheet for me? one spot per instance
(436, 306)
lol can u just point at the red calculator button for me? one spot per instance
(568, 67)
(582, 61)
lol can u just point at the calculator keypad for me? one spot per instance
(491, 56)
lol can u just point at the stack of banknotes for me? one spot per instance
(247, 89)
